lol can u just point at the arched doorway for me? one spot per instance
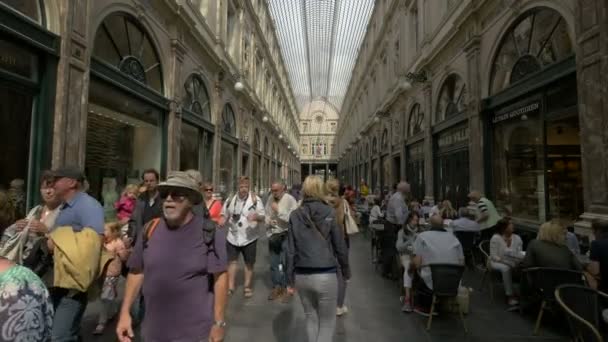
(196, 142)
(228, 153)
(126, 112)
(451, 144)
(534, 152)
(414, 149)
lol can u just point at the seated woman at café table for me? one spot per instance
(405, 244)
(505, 254)
(550, 250)
(376, 213)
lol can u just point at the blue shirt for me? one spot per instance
(80, 212)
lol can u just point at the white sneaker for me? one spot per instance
(341, 311)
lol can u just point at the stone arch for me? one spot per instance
(452, 97)
(229, 120)
(136, 55)
(415, 122)
(565, 11)
(196, 98)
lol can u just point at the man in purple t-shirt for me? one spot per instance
(174, 266)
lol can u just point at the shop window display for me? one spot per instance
(119, 147)
(227, 169)
(189, 147)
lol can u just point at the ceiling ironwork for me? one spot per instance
(320, 42)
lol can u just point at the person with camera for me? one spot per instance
(278, 208)
(242, 213)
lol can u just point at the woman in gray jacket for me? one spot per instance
(316, 248)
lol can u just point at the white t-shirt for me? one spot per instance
(437, 247)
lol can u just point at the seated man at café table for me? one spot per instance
(465, 222)
(435, 246)
(598, 267)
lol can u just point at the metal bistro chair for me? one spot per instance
(545, 280)
(467, 241)
(376, 250)
(446, 281)
(583, 307)
(488, 272)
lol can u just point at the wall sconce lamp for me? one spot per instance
(239, 86)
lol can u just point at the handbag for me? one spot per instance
(12, 249)
(349, 221)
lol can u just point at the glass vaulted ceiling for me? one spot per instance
(320, 42)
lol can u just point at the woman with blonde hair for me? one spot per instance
(316, 253)
(333, 198)
(550, 249)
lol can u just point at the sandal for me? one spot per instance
(248, 292)
(99, 329)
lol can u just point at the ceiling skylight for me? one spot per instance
(320, 42)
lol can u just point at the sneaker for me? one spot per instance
(407, 307)
(276, 293)
(341, 311)
(423, 311)
(512, 301)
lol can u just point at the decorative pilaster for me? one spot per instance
(475, 122)
(174, 122)
(217, 105)
(71, 98)
(429, 174)
(591, 66)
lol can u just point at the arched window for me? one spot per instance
(374, 146)
(416, 122)
(451, 97)
(256, 140)
(228, 120)
(536, 40)
(197, 98)
(124, 43)
(265, 146)
(33, 9)
(366, 151)
(384, 140)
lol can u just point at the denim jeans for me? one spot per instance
(69, 310)
(277, 264)
(318, 293)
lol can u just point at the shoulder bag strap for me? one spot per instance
(311, 221)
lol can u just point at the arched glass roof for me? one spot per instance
(320, 41)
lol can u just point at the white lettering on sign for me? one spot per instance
(533, 107)
(453, 137)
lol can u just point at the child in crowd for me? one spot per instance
(126, 203)
(405, 242)
(115, 246)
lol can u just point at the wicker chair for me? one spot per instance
(583, 307)
(545, 280)
(446, 281)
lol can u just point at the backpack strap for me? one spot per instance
(149, 229)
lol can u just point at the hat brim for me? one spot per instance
(196, 196)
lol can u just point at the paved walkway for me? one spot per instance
(374, 313)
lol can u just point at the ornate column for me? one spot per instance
(592, 64)
(71, 98)
(174, 122)
(429, 174)
(476, 134)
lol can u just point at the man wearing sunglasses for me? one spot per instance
(182, 272)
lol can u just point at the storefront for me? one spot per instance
(375, 185)
(532, 123)
(126, 122)
(28, 64)
(257, 161)
(196, 142)
(385, 162)
(451, 144)
(265, 167)
(414, 153)
(228, 152)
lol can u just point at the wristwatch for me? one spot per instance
(221, 324)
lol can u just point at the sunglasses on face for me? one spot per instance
(176, 195)
(209, 189)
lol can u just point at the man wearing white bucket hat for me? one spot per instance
(183, 259)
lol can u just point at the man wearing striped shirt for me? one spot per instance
(488, 215)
